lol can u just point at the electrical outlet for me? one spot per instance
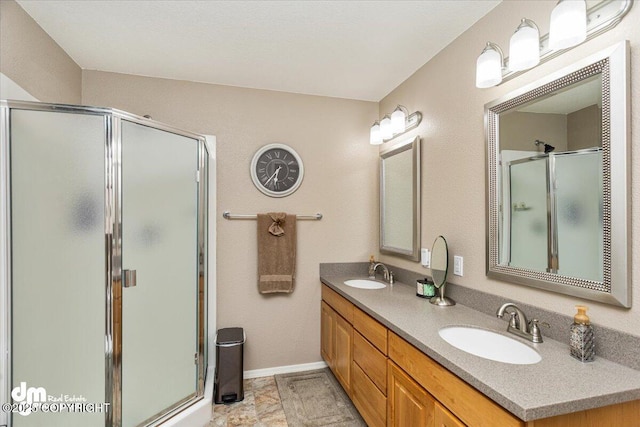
(425, 258)
(457, 265)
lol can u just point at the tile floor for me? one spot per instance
(261, 407)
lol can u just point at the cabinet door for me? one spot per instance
(327, 334)
(444, 418)
(408, 404)
(343, 352)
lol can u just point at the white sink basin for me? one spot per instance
(365, 284)
(489, 345)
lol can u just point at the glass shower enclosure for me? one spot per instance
(554, 208)
(103, 266)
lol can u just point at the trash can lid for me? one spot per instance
(230, 336)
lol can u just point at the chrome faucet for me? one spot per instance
(388, 275)
(519, 325)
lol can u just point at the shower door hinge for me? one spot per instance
(198, 176)
(195, 358)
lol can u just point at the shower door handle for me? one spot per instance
(129, 278)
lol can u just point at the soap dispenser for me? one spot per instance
(372, 263)
(582, 342)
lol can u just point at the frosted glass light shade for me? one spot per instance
(398, 121)
(375, 137)
(385, 128)
(524, 46)
(489, 67)
(568, 24)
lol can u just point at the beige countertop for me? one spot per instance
(556, 385)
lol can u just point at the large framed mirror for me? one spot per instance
(558, 158)
(400, 200)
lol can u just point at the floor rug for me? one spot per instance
(316, 399)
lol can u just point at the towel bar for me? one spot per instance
(229, 215)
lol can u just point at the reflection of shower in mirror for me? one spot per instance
(547, 148)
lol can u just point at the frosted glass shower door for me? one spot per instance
(58, 262)
(159, 242)
(579, 212)
(529, 214)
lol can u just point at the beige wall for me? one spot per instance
(331, 136)
(32, 59)
(584, 128)
(519, 131)
(341, 168)
(453, 155)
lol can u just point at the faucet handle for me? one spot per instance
(391, 278)
(514, 320)
(536, 335)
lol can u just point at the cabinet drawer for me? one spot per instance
(444, 418)
(464, 401)
(371, 403)
(339, 304)
(371, 361)
(371, 329)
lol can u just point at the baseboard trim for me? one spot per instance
(257, 373)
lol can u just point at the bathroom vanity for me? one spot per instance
(384, 348)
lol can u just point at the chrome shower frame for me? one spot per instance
(113, 250)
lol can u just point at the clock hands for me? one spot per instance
(274, 176)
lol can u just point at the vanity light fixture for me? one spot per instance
(489, 66)
(391, 126)
(568, 19)
(524, 46)
(385, 128)
(375, 137)
(568, 25)
(398, 120)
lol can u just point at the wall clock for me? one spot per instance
(277, 170)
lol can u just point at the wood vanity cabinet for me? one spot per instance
(337, 336)
(369, 383)
(394, 384)
(465, 402)
(354, 345)
(408, 404)
(327, 334)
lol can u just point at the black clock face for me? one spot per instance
(277, 170)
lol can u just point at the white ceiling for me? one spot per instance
(347, 49)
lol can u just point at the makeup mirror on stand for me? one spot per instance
(439, 268)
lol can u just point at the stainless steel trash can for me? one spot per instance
(228, 386)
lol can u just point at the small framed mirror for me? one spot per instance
(558, 181)
(400, 200)
(439, 270)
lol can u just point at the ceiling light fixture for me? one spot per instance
(568, 19)
(391, 126)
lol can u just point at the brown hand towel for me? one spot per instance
(276, 252)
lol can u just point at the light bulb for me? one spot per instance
(398, 120)
(489, 66)
(375, 137)
(568, 24)
(385, 128)
(524, 46)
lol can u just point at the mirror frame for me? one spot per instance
(413, 254)
(615, 288)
